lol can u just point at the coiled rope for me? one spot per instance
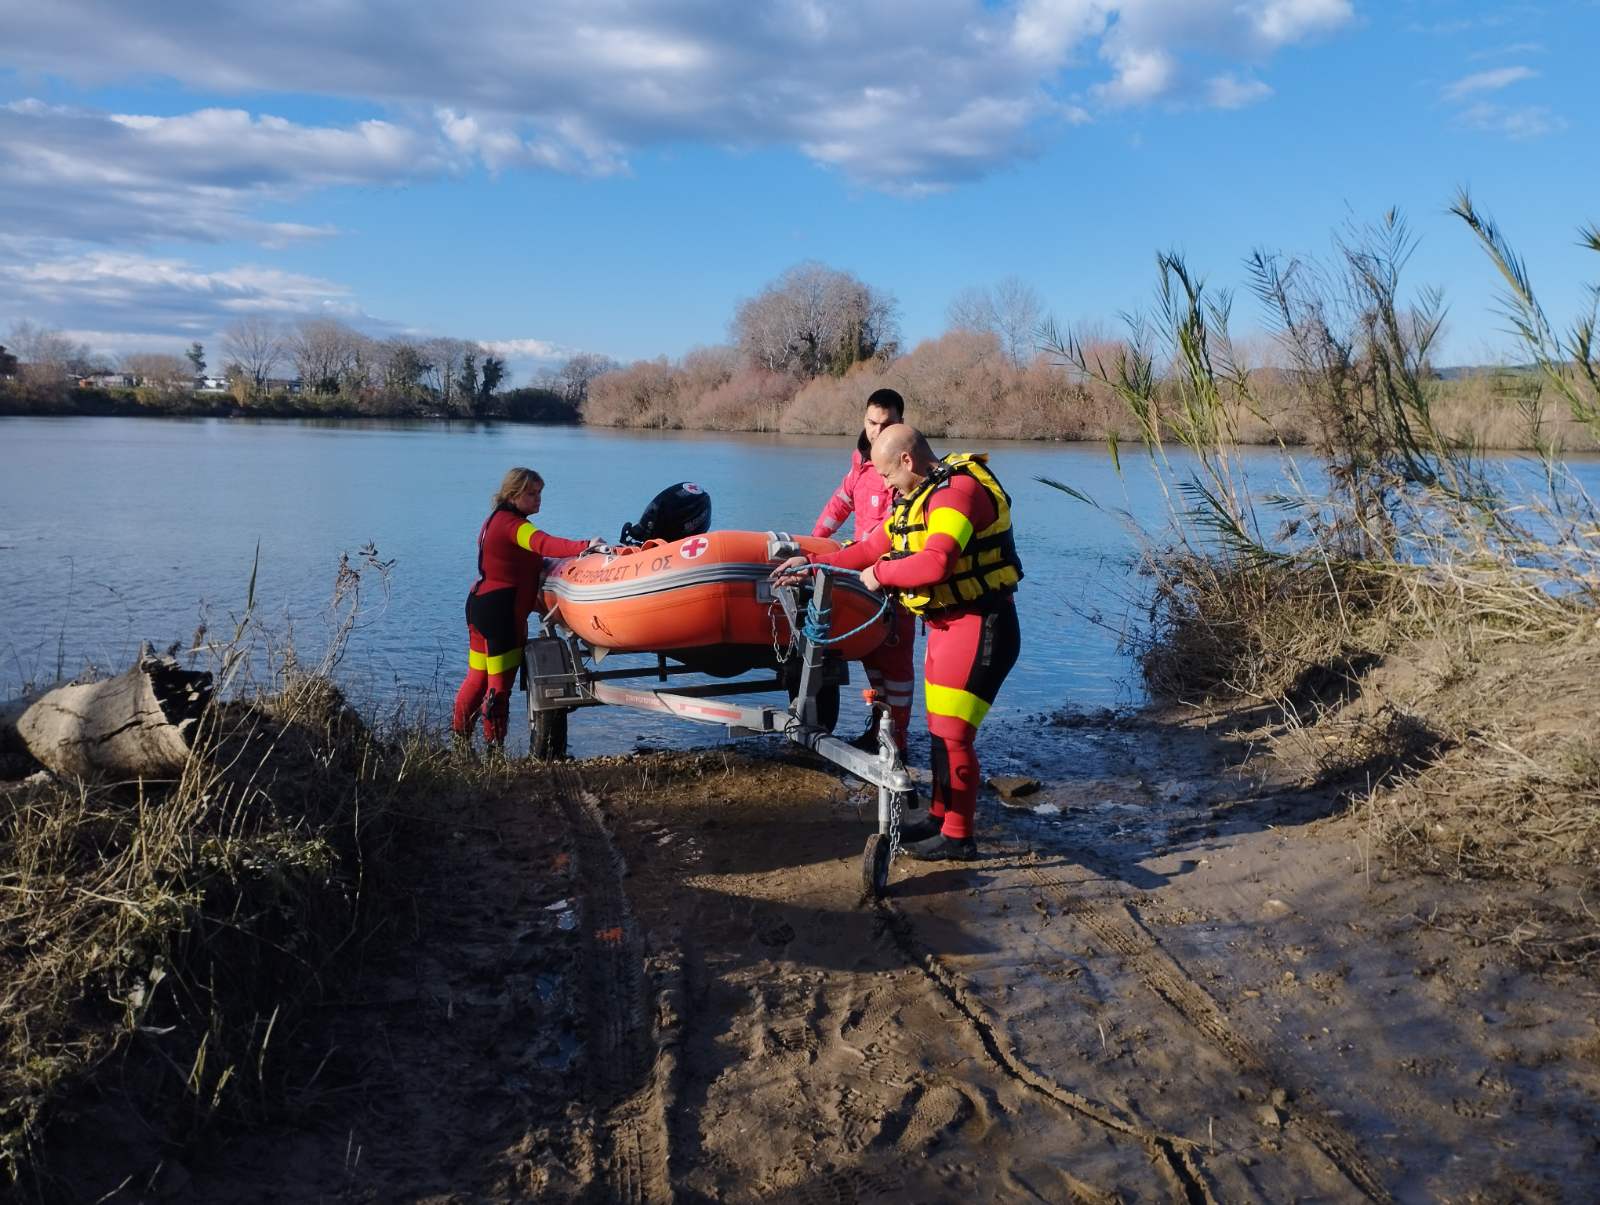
(816, 625)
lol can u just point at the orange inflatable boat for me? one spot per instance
(703, 600)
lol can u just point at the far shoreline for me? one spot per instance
(541, 408)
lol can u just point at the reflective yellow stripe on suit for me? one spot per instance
(947, 521)
(953, 702)
(495, 663)
(525, 535)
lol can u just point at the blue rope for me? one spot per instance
(815, 628)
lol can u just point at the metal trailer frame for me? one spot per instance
(560, 677)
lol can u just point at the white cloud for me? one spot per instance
(119, 302)
(145, 297)
(1142, 76)
(1487, 81)
(527, 349)
(1230, 92)
(1281, 22)
(1476, 112)
(1520, 122)
(1499, 52)
(99, 176)
(572, 86)
(1045, 30)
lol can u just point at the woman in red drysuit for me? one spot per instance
(864, 493)
(511, 552)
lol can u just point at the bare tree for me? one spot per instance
(170, 374)
(328, 355)
(814, 319)
(445, 358)
(255, 345)
(401, 366)
(47, 356)
(1011, 310)
(573, 377)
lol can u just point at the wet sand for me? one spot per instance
(1175, 974)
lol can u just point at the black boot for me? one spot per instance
(920, 829)
(940, 848)
(867, 742)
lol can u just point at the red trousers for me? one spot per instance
(890, 670)
(495, 636)
(970, 651)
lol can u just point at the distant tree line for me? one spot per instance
(805, 351)
(802, 355)
(316, 366)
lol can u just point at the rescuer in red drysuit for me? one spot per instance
(948, 553)
(511, 552)
(864, 493)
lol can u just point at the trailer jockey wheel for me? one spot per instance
(875, 866)
(548, 734)
(827, 696)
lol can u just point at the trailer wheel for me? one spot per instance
(875, 866)
(827, 696)
(548, 734)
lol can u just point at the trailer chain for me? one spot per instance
(780, 650)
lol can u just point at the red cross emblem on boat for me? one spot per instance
(690, 549)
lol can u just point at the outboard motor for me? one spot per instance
(676, 513)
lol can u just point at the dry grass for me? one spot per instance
(1258, 630)
(160, 942)
(1426, 627)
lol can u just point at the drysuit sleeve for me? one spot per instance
(838, 507)
(543, 544)
(955, 511)
(859, 555)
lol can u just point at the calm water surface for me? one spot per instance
(113, 531)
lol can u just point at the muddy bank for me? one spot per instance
(1179, 973)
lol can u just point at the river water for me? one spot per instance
(114, 531)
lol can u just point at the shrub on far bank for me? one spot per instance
(533, 405)
(643, 394)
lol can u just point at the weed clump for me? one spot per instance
(1398, 540)
(162, 941)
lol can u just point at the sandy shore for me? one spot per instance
(1175, 974)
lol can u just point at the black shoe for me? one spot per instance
(919, 829)
(867, 742)
(939, 848)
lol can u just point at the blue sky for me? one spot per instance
(614, 177)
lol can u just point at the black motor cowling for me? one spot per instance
(677, 512)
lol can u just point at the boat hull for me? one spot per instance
(705, 600)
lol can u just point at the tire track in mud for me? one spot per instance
(1166, 978)
(1174, 1155)
(633, 1080)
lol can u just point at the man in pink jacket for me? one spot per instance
(890, 667)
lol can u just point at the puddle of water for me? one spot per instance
(563, 1056)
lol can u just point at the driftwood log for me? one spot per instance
(138, 724)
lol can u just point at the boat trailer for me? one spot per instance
(562, 675)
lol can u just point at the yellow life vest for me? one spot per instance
(988, 564)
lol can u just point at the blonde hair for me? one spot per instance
(513, 483)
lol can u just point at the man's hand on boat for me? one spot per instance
(789, 572)
(792, 573)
